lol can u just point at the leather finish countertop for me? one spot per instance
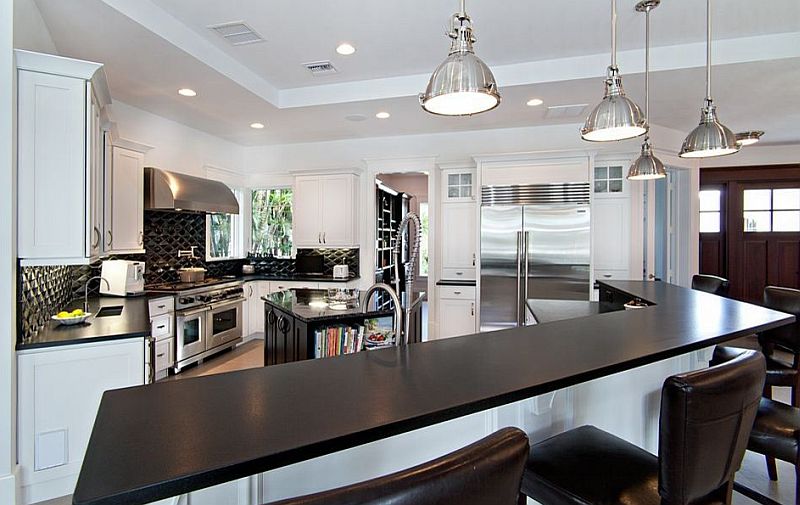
(162, 440)
(133, 321)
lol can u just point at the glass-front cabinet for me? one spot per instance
(458, 185)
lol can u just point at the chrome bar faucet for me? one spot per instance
(86, 290)
(190, 253)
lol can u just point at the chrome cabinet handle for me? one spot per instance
(473, 259)
(459, 273)
(160, 355)
(141, 237)
(319, 237)
(456, 292)
(161, 327)
(525, 287)
(519, 272)
(110, 237)
(607, 276)
(472, 309)
(324, 239)
(98, 236)
(251, 290)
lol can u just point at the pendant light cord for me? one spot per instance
(708, 50)
(647, 68)
(613, 33)
(463, 7)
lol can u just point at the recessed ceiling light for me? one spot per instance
(533, 102)
(187, 92)
(345, 49)
(257, 126)
(356, 117)
(383, 115)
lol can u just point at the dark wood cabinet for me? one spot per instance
(287, 338)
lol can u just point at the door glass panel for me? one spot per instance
(601, 172)
(757, 221)
(710, 200)
(601, 186)
(466, 191)
(786, 199)
(452, 192)
(757, 199)
(615, 172)
(786, 220)
(466, 179)
(452, 180)
(615, 186)
(224, 321)
(191, 331)
(709, 222)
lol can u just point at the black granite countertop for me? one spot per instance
(133, 321)
(310, 305)
(294, 278)
(278, 415)
(548, 311)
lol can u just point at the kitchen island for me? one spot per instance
(173, 438)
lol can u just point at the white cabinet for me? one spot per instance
(459, 231)
(612, 233)
(456, 311)
(276, 286)
(60, 159)
(59, 393)
(254, 306)
(325, 211)
(458, 185)
(124, 202)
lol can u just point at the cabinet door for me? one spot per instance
(126, 231)
(456, 317)
(51, 125)
(306, 222)
(611, 234)
(459, 229)
(338, 211)
(94, 180)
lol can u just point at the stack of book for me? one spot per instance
(338, 340)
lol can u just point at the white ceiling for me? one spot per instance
(551, 50)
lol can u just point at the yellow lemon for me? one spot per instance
(63, 314)
(77, 312)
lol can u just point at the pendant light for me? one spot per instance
(748, 138)
(462, 85)
(617, 117)
(646, 165)
(710, 138)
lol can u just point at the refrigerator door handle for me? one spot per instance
(519, 273)
(526, 238)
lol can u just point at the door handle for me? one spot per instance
(110, 238)
(251, 290)
(319, 237)
(472, 309)
(519, 271)
(473, 259)
(526, 238)
(98, 236)
(324, 237)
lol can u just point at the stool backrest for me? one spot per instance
(488, 471)
(711, 284)
(784, 300)
(705, 424)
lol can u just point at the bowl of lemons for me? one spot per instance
(77, 316)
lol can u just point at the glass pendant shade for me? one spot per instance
(646, 166)
(615, 118)
(463, 84)
(710, 138)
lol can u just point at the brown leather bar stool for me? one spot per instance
(775, 434)
(703, 430)
(486, 472)
(711, 284)
(785, 339)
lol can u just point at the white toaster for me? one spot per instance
(341, 272)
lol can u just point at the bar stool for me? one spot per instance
(781, 372)
(488, 471)
(703, 430)
(711, 284)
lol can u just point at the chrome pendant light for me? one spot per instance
(646, 165)
(462, 85)
(710, 138)
(617, 117)
(748, 138)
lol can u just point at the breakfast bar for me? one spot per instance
(155, 442)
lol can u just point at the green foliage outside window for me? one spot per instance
(272, 222)
(220, 229)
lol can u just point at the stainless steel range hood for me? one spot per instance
(165, 190)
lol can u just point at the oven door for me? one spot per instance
(191, 333)
(224, 322)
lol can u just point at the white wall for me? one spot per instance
(8, 410)
(30, 30)
(176, 147)
(756, 155)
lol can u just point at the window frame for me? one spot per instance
(771, 210)
(719, 211)
(293, 249)
(239, 238)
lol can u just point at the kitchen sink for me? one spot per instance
(113, 310)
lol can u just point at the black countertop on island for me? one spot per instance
(162, 440)
(310, 305)
(133, 322)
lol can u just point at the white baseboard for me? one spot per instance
(8, 488)
(259, 335)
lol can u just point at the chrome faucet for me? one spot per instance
(410, 266)
(400, 338)
(86, 290)
(190, 253)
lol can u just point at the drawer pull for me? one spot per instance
(160, 355)
(162, 306)
(607, 276)
(456, 292)
(459, 273)
(161, 327)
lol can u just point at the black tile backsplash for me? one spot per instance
(45, 290)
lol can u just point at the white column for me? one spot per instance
(8, 219)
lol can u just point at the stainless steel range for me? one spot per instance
(208, 318)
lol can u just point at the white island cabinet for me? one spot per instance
(59, 391)
(60, 111)
(325, 211)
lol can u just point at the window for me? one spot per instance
(271, 229)
(423, 245)
(459, 186)
(768, 210)
(225, 234)
(710, 213)
(608, 179)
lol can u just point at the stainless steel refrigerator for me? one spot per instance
(534, 244)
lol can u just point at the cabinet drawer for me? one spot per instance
(164, 357)
(458, 273)
(457, 292)
(158, 306)
(611, 275)
(284, 285)
(161, 326)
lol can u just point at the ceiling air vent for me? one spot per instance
(237, 33)
(565, 111)
(320, 67)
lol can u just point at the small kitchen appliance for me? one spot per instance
(124, 277)
(341, 272)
